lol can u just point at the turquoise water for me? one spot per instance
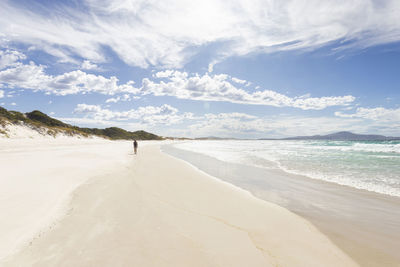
(368, 165)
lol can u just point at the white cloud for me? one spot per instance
(239, 81)
(113, 99)
(233, 115)
(277, 126)
(32, 76)
(163, 74)
(151, 115)
(178, 84)
(377, 114)
(218, 88)
(234, 124)
(124, 98)
(91, 122)
(1, 93)
(210, 67)
(10, 58)
(87, 65)
(170, 32)
(240, 125)
(242, 82)
(13, 104)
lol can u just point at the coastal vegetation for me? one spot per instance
(47, 125)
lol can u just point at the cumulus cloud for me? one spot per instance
(168, 33)
(378, 114)
(277, 126)
(87, 65)
(163, 74)
(239, 81)
(233, 124)
(228, 125)
(1, 93)
(233, 115)
(218, 88)
(32, 76)
(123, 98)
(165, 114)
(10, 58)
(211, 67)
(173, 83)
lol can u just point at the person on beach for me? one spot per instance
(135, 146)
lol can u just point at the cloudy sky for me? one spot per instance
(239, 68)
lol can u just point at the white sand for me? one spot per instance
(24, 131)
(144, 210)
(37, 177)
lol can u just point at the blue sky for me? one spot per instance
(247, 69)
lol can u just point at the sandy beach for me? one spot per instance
(38, 177)
(93, 203)
(364, 224)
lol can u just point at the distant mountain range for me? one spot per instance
(339, 136)
(47, 125)
(344, 136)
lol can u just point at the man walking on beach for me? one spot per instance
(135, 146)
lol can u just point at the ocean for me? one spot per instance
(368, 165)
(348, 189)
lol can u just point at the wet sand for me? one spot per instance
(365, 225)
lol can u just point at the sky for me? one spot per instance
(239, 68)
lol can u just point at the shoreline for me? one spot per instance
(368, 234)
(174, 215)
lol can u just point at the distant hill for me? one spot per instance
(38, 120)
(344, 136)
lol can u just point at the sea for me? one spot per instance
(349, 190)
(367, 165)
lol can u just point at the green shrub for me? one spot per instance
(38, 120)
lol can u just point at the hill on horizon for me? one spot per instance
(344, 136)
(38, 120)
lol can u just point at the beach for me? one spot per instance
(364, 224)
(38, 177)
(94, 203)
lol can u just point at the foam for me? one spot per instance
(371, 166)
